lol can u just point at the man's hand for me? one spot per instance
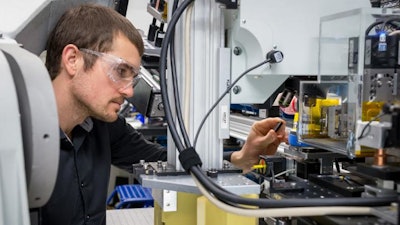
(262, 140)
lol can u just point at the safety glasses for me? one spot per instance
(121, 72)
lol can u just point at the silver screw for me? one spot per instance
(237, 51)
(236, 89)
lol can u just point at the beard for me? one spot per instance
(106, 115)
(93, 99)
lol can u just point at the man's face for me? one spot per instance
(103, 88)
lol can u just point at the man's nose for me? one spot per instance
(127, 92)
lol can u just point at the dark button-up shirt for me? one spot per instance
(80, 192)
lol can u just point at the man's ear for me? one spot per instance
(70, 59)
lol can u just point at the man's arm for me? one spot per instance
(128, 146)
(262, 140)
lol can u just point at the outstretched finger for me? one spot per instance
(264, 126)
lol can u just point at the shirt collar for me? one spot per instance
(87, 125)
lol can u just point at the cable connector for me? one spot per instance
(229, 4)
(189, 158)
(152, 30)
(389, 108)
(274, 56)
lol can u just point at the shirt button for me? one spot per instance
(82, 184)
(87, 217)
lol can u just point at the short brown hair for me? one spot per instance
(88, 26)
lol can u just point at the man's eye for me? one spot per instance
(124, 71)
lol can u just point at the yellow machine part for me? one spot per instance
(193, 209)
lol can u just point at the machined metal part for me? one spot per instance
(163, 169)
(372, 134)
(241, 125)
(234, 182)
(373, 191)
(306, 189)
(147, 98)
(380, 84)
(388, 213)
(277, 221)
(348, 186)
(337, 122)
(324, 157)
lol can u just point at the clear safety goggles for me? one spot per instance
(121, 72)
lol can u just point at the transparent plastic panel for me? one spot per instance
(357, 74)
(327, 115)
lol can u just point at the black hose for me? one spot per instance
(163, 56)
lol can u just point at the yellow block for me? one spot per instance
(209, 214)
(193, 209)
(185, 215)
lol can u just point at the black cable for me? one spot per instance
(284, 203)
(163, 55)
(222, 96)
(390, 20)
(175, 85)
(374, 24)
(175, 6)
(368, 124)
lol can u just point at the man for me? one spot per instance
(93, 57)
